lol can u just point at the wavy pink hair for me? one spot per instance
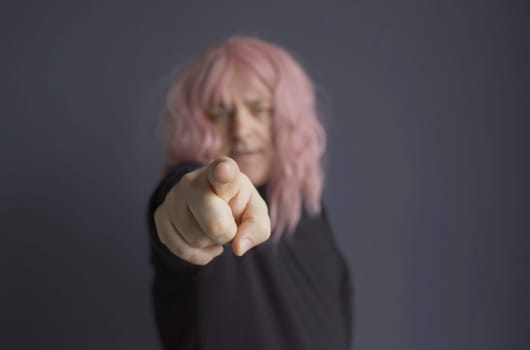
(299, 139)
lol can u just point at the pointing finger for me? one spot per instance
(223, 176)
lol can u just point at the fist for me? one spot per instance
(210, 207)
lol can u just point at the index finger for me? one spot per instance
(223, 177)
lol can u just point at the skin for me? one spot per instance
(245, 127)
(219, 204)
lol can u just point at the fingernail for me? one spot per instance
(244, 245)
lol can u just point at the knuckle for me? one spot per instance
(264, 233)
(183, 253)
(162, 238)
(193, 258)
(158, 216)
(199, 259)
(262, 205)
(219, 229)
(199, 241)
(175, 248)
(191, 177)
(186, 178)
(245, 179)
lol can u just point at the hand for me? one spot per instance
(210, 207)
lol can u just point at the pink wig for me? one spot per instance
(298, 137)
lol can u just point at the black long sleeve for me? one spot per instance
(174, 289)
(159, 252)
(295, 294)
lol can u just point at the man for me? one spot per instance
(243, 151)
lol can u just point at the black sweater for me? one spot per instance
(295, 294)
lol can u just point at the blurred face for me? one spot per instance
(244, 122)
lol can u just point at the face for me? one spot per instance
(244, 123)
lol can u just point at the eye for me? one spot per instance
(219, 112)
(261, 110)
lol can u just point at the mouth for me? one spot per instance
(244, 154)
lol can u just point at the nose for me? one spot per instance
(241, 122)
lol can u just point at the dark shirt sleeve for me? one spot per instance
(160, 254)
(174, 289)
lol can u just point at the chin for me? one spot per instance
(256, 168)
(257, 178)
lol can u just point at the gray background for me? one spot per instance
(427, 106)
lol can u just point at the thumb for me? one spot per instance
(223, 177)
(255, 226)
